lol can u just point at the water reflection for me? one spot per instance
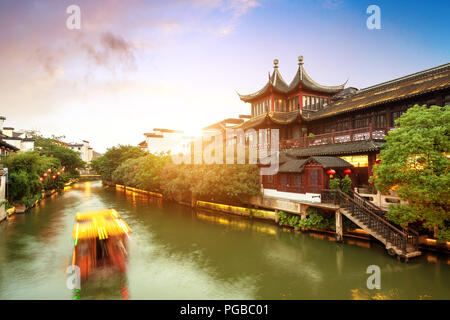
(178, 253)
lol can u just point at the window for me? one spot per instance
(297, 179)
(314, 177)
(283, 179)
(380, 121)
(395, 116)
(269, 179)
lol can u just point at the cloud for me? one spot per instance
(332, 4)
(108, 50)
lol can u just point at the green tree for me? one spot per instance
(115, 156)
(67, 157)
(415, 163)
(25, 169)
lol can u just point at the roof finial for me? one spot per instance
(275, 63)
(300, 60)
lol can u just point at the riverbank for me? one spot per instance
(425, 243)
(19, 209)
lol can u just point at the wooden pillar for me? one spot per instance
(193, 201)
(339, 229)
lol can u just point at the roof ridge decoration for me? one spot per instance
(306, 80)
(277, 82)
(413, 76)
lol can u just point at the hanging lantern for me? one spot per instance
(378, 161)
(63, 169)
(347, 171)
(58, 173)
(45, 175)
(54, 177)
(331, 172)
(41, 179)
(49, 170)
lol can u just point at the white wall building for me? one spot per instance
(165, 140)
(87, 153)
(22, 139)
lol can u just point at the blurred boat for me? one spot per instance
(100, 241)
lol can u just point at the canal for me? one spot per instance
(177, 253)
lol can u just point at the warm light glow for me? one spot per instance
(357, 161)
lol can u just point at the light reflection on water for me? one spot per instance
(176, 253)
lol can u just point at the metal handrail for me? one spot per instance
(394, 235)
(409, 232)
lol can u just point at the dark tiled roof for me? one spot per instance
(306, 81)
(331, 162)
(302, 78)
(336, 149)
(297, 165)
(7, 145)
(419, 83)
(281, 118)
(143, 144)
(292, 165)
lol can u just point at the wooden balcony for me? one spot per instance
(334, 137)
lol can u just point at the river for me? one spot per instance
(177, 253)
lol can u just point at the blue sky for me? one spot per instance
(136, 65)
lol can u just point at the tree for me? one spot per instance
(115, 156)
(25, 169)
(68, 158)
(415, 163)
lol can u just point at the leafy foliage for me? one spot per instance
(67, 157)
(225, 183)
(316, 219)
(415, 163)
(25, 169)
(344, 184)
(113, 158)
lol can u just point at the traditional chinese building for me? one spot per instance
(333, 127)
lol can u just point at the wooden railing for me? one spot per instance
(361, 134)
(369, 215)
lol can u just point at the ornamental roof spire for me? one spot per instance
(301, 80)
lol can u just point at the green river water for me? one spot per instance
(177, 253)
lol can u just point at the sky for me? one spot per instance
(138, 65)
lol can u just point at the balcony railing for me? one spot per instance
(360, 134)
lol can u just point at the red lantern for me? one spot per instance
(45, 175)
(58, 173)
(63, 169)
(347, 171)
(49, 170)
(331, 172)
(378, 161)
(41, 179)
(54, 177)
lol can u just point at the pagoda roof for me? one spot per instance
(280, 118)
(418, 83)
(302, 78)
